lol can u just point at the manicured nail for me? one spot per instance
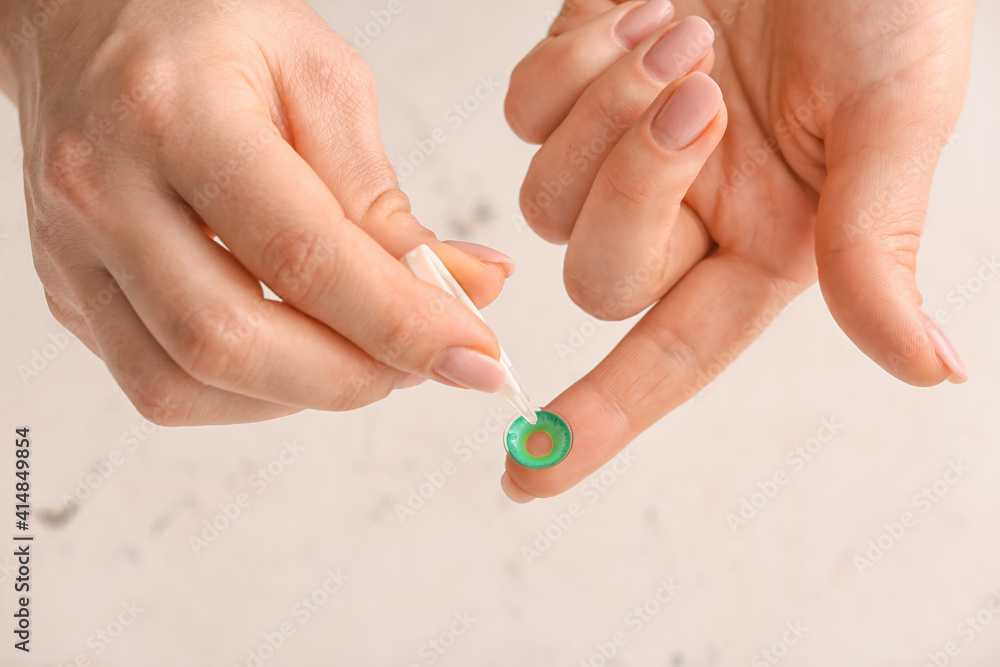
(642, 21)
(407, 380)
(486, 254)
(513, 491)
(471, 369)
(945, 351)
(680, 49)
(688, 112)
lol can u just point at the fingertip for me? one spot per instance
(513, 491)
(876, 305)
(487, 255)
(482, 281)
(688, 113)
(946, 352)
(409, 380)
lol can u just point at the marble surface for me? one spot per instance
(318, 563)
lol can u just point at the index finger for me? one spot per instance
(698, 329)
(280, 221)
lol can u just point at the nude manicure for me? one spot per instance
(486, 254)
(688, 112)
(945, 351)
(680, 49)
(641, 23)
(471, 369)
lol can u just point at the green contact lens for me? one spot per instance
(516, 440)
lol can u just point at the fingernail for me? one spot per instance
(945, 351)
(471, 369)
(641, 22)
(407, 380)
(688, 112)
(486, 254)
(513, 491)
(680, 49)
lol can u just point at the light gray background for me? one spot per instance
(665, 517)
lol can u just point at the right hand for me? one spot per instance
(145, 124)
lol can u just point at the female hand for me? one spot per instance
(836, 112)
(147, 123)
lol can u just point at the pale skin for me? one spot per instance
(841, 197)
(147, 123)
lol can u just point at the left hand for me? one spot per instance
(837, 113)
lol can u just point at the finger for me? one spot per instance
(563, 171)
(74, 321)
(881, 154)
(548, 82)
(332, 114)
(617, 263)
(282, 223)
(156, 386)
(53, 270)
(210, 316)
(575, 13)
(679, 346)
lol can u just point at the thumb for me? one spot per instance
(881, 154)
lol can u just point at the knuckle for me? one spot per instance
(210, 341)
(391, 204)
(368, 386)
(298, 257)
(518, 112)
(66, 315)
(539, 204)
(163, 401)
(397, 341)
(149, 94)
(614, 109)
(632, 193)
(340, 71)
(571, 57)
(49, 244)
(68, 175)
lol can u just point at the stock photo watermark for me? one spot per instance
(795, 460)
(435, 647)
(301, 612)
(101, 471)
(779, 648)
(463, 451)
(220, 180)
(31, 24)
(962, 294)
(922, 502)
(99, 641)
(758, 156)
(874, 216)
(966, 632)
(634, 621)
(453, 118)
(750, 331)
(41, 357)
(590, 491)
(230, 511)
(381, 18)
(537, 199)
